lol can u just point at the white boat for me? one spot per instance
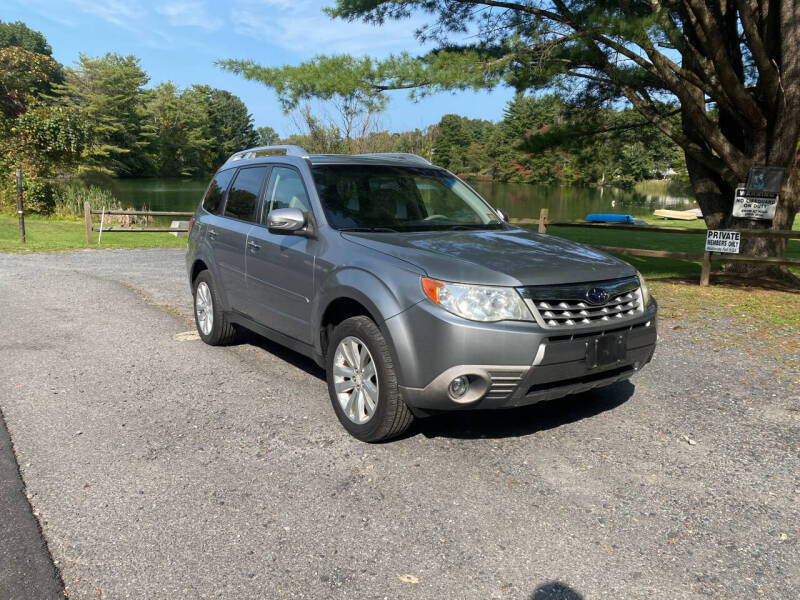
(679, 215)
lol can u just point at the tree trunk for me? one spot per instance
(785, 213)
(712, 194)
(715, 198)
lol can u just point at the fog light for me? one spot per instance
(459, 386)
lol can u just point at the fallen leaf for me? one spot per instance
(186, 336)
(408, 578)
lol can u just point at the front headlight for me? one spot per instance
(645, 290)
(477, 302)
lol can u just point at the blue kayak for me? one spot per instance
(609, 218)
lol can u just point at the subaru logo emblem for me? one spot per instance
(597, 295)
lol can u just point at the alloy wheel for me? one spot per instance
(204, 308)
(355, 380)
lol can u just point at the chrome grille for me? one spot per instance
(568, 306)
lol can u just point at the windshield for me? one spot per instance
(387, 198)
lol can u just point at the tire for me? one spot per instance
(377, 388)
(219, 332)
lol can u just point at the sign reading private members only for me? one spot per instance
(723, 241)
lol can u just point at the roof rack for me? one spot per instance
(281, 150)
(399, 155)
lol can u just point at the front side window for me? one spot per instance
(285, 190)
(216, 191)
(243, 195)
(376, 197)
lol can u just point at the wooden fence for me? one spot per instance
(706, 258)
(88, 212)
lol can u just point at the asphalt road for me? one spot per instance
(26, 568)
(163, 468)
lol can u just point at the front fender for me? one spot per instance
(368, 289)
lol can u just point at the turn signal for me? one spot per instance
(431, 288)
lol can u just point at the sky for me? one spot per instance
(179, 40)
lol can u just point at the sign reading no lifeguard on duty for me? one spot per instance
(753, 204)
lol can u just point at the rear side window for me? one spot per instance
(285, 190)
(243, 195)
(216, 191)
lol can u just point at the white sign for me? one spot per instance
(723, 241)
(752, 204)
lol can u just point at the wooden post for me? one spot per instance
(20, 212)
(87, 215)
(543, 220)
(705, 273)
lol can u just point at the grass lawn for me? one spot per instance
(58, 234)
(763, 322)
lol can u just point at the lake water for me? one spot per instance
(517, 199)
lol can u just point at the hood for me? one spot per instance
(510, 257)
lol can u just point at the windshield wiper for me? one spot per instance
(369, 229)
(471, 227)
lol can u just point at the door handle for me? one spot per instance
(253, 245)
(212, 233)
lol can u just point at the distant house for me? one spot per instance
(667, 173)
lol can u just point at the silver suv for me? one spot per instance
(411, 292)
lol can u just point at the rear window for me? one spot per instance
(243, 195)
(216, 191)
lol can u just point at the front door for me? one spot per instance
(280, 267)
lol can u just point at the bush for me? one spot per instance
(37, 195)
(69, 198)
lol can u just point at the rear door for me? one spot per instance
(229, 234)
(280, 267)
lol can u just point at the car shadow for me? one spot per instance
(302, 362)
(476, 424)
(555, 590)
(515, 422)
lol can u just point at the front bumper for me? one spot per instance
(508, 364)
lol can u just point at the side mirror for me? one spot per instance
(502, 213)
(285, 220)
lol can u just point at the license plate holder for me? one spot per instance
(604, 350)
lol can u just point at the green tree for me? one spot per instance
(267, 136)
(24, 76)
(526, 114)
(450, 144)
(180, 123)
(41, 139)
(110, 92)
(230, 126)
(316, 136)
(731, 69)
(44, 142)
(20, 35)
(476, 157)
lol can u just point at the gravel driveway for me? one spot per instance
(162, 468)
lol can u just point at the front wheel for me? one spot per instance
(363, 384)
